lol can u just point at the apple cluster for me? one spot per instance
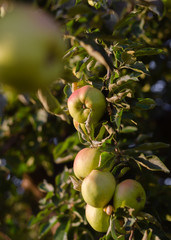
(99, 188)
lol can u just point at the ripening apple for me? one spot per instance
(97, 218)
(84, 101)
(129, 193)
(31, 49)
(98, 188)
(85, 161)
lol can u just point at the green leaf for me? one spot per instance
(112, 228)
(85, 63)
(97, 51)
(46, 187)
(101, 133)
(123, 82)
(126, 78)
(79, 9)
(33, 220)
(68, 76)
(119, 96)
(76, 183)
(40, 216)
(145, 103)
(118, 118)
(137, 67)
(51, 104)
(45, 228)
(152, 163)
(68, 144)
(117, 170)
(125, 21)
(67, 91)
(123, 171)
(107, 161)
(148, 51)
(62, 230)
(129, 129)
(65, 159)
(151, 146)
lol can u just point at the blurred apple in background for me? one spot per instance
(31, 49)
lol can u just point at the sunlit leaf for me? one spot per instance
(118, 118)
(107, 161)
(148, 51)
(152, 163)
(129, 129)
(97, 51)
(76, 183)
(137, 67)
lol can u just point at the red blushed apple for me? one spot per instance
(85, 161)
(129, 193)
(84, 101)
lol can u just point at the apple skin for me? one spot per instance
(85, 161)
(31, 49)
(97, 218)
(129, 193)
(98, 188)
(84, 100)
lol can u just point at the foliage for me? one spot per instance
(114, 46)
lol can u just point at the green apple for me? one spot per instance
(98, 188)
(97, 218)
(84, 101)
(85, 161)
(31, 49)
(129, 193)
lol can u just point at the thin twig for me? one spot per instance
(131, 235)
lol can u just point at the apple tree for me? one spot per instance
(104, 177)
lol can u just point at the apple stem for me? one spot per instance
(131, 234)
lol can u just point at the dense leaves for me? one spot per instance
(123, 49)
